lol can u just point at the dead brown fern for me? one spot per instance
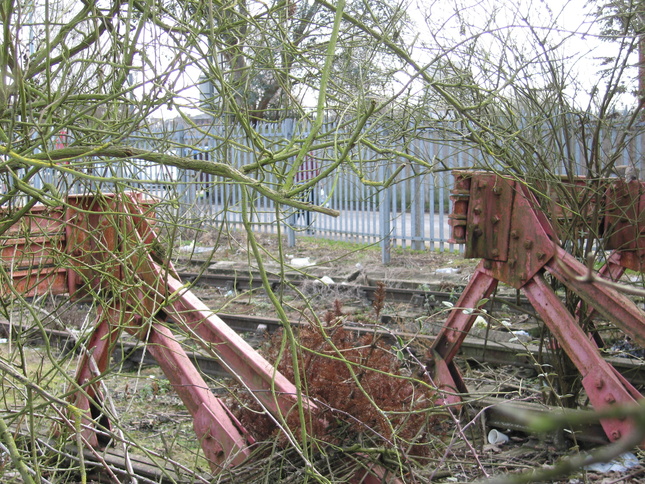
(364, 393)
(379, 298)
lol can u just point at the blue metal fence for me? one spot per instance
(411, 213)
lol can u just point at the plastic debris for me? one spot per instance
(195, 250)
(447, 270)
(480, 322)
(627, 349)
(496, 437)
(325, 280)
(619, 464)
(299, 262)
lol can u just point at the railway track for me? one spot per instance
(420, 296)
(499, 413)
(473, 349)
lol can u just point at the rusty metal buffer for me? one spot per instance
(104, 247)
(499, 221)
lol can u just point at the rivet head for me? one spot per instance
(615, 434)
(528, 244)
(610, 398)
(497, 190)
(495, 252)
(477, 210)
(515, 234)
(495, 219)
(541, 255)
(599, 384)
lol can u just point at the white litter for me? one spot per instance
(195, 250)
(187, 248)
(299, 262)
(619, 464)
(480, 322)
(447, 270)
(496, 437)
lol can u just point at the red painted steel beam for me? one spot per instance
(269, 386)
(94, 362)
(245, 364)
(88, 234)
(611, 304)
(222, 438)
(507, 229)
(612, 270)
(463, 314)
(444, 373)
(599, 378)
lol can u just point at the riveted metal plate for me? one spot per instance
(489, 210)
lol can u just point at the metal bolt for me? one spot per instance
(495, 252)
(495, 219)
(512, 263)
(600, 383)
(482, 184)
(478, 231)
(477, 210)
(515, 234)
(615, 434)
(497, 190)
(541, 255)
(528, 244)
(610, 398)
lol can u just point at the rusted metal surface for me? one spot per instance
(458, 218)
(487, 229)
(611, 304)
(508, 230)
(599, 379)
(106, 244)
(625, 216)
(455, 329)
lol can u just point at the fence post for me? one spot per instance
(418, 212)
(385, 206)
(288, 128)
(182, 174)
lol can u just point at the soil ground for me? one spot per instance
(337, 260)
(150, 412)
(442, 271)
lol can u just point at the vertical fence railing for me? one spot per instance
(411, 213)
